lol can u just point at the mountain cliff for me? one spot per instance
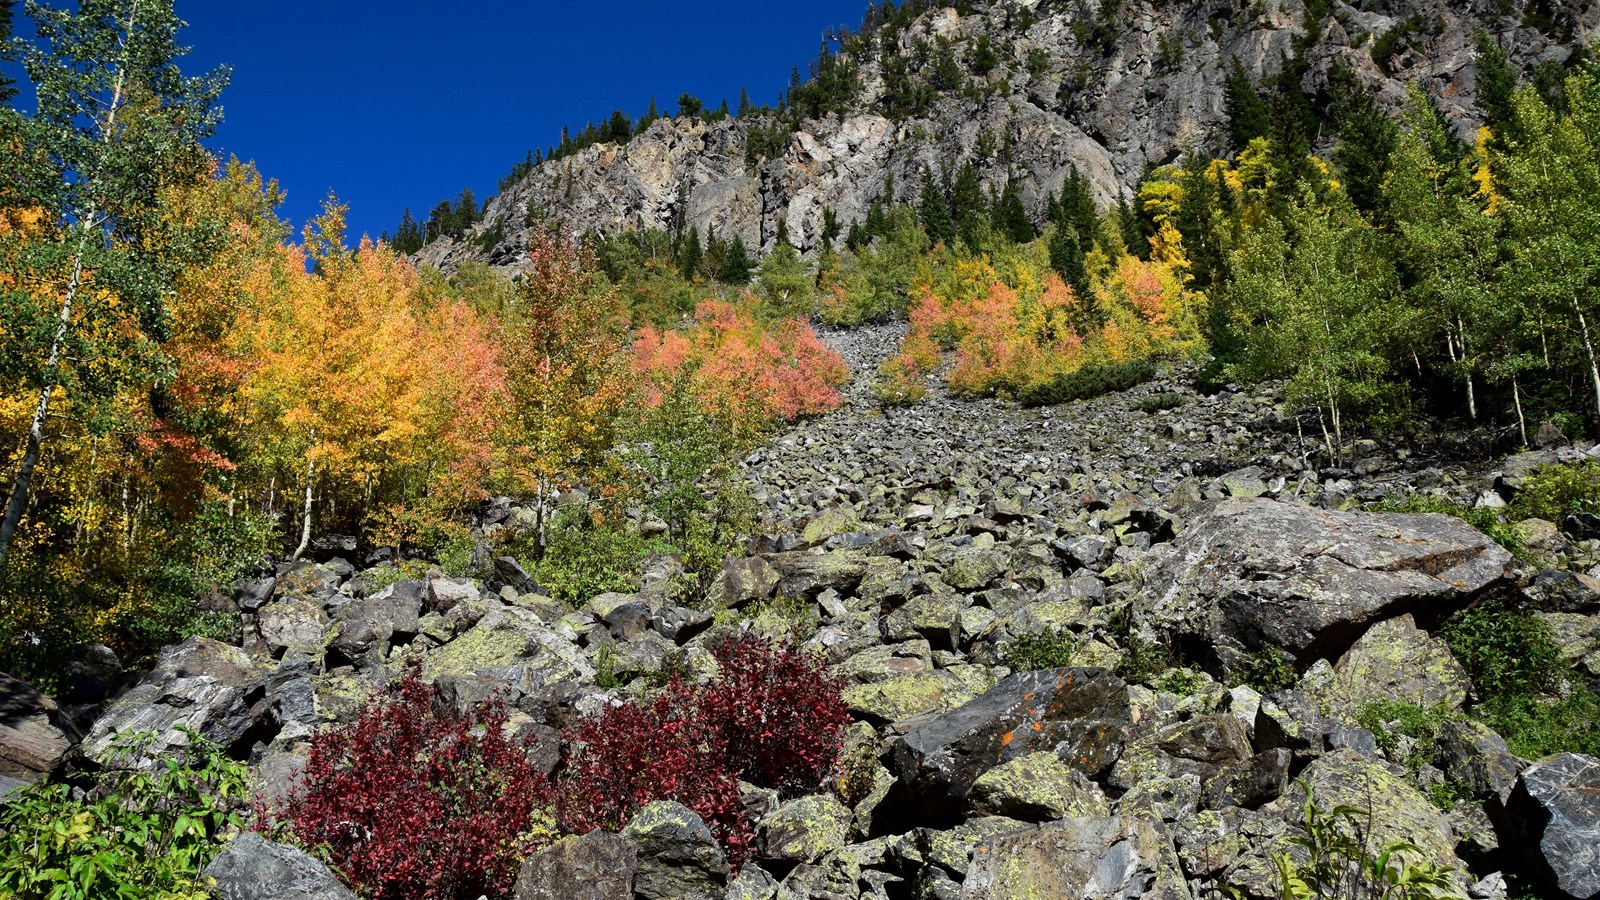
(1024, 89)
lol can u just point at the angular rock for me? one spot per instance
(1396, 660)
(596, 866)
(806, 830)
(1038, 787)
(1086, 858)
(1251, 784)
(974, 570)
(1555, 815)
(678, 857)
(1200, 747)
(1081, 715)
(31, 744)
(254, 868)
(294, 624)
(1472, 755)
(1250, 574)
(506, 638)
(202, 685)
(804, 574)
(743, 581)
(832, 523)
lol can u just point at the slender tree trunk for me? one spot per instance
(305, 526)
(1516, 397)
(1472, 390)
(1588, 349)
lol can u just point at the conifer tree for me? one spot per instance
(689, 106)
(1066, 258)
(408, 237)
(116, 125)
(1248, 117)
(1497, 81)
(689, 258)
(967, 205)
(736, 267)
(1011, 217)
(934, 211)
(744, 102)
(1076, 206)
(1367, 138)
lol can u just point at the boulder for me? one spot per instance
(832, 523)
(1115, 857)
(1080, 715)
(200, 685)
(805, 574)
(1471, 754)
(1250, 574)
(32, 745)
(1200, 747)
(254, 868)
(805, 830)
(510, 638)
(1038, 787)
(1396, 660)
(596, 866)
(678, 857)
(1554, 814)
(294, 624)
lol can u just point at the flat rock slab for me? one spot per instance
(596, 866)
(1250, 573)
(1089, 858)
(1080, 715)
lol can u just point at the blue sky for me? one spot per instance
(404, 103)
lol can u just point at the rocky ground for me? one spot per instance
(1160, 542)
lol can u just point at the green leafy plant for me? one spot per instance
(1144, 660)
(1087, 383)
(1506, 649)
(1268, 670)
(1044, 650)
(1183, 682)
(1341, 863)
(1554, 492)
(1161, 402)
(149, 834)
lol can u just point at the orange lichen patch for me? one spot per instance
(1039, 726)
(1005, 741)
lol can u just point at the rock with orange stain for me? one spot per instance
(1081, 716)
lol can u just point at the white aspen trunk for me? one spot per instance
(305, 526)
(1516, 397)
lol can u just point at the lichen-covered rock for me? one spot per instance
(254, 868)
(510, 637)
(1555, 814)
(1038, 787)
(1200, 747)
(1472, 755)
(1399, 812)
(903, 697)
(294, 624)
(1250, 574)
(596, 866)
(974, 569)
(201, 684)
(1114, 857)
(742, 582)
(934, 617)
(678, 857)
(1081, 715)
(1396, 660)
(803, 574)
(806, 830)
(833, 522)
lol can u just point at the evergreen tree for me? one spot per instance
(1131, 231)
(1367, 137)
(968, 207)
(408, 237)
(737, 266)
(619, 129)
(1011, 217)
(1497, 82)
(689, 258)
(1076, 206)
(650, 116)
(117, 125)
(1066, 258)
(744, 102)
(1248, 117)
(934, 211)
(689, 106)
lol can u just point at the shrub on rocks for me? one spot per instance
(772, 717)
(416, 800)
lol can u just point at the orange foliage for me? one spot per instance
(744, 370)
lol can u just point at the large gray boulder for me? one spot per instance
(200, 685)
(1107, 858)
(596, 866)
(1080, 715)
(678, 856)
(1555, 814)
(1249, 574)
(254, 868)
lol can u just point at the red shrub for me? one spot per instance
(772, 717)
(412, 802)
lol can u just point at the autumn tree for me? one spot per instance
(561, 345)
(116, 124)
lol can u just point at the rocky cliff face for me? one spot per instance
(1112, 90)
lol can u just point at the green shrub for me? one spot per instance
(1410, 720)
(1507, 650)
(1044, 650)
(588, 554)
(1183, 682)
(150, 834)
(1087, 383)
(1144, 661)
(1484, 519)
(1554, 492)
(1536, 727)
(1268, 670)
(1161, 403)
(1342, 864)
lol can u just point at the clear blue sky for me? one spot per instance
(402, 104)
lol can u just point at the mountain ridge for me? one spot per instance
(1112, 91)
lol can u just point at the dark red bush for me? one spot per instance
(412, 801)
(772, 717)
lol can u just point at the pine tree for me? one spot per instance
(619, 129)
(408, 237)
(1132, 230)
(744, 102)
(689, 106)
(1497, 82)
(1077, 207)
(934, 211)
(1367, 138)
(736, 267)
(1066, 258)
(967, 205)
(101, 178)
(689, 258)
(1248, 117)
(1011, 217)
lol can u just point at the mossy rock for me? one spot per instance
(807, 829)
(1038, 787)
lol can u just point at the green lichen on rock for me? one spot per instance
(807, 829)
(1038, 787)
(905, 696)
(832, 523)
